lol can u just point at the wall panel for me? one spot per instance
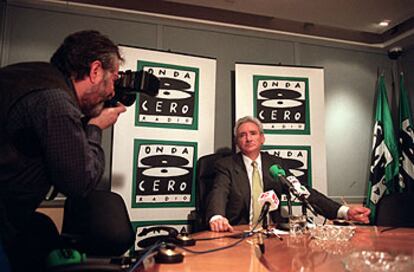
(32, 32)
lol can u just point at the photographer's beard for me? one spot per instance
(92, 102)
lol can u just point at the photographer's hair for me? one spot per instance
(245, 120)
(80, 49)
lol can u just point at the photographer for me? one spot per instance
(51, 121)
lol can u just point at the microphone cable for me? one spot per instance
(147, 252)
(235, 235)
(244, 235)
(150, 249)
(218, 248)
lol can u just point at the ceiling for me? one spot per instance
(354, 21)
(355, 15)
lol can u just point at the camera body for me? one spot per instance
(130, 83)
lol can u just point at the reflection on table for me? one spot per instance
(290, 254)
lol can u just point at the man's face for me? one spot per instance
(249, 139)
(92, 102)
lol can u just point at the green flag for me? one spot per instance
(384, 154)
(406, 141)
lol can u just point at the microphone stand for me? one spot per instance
(285, 225)
(265, 224)
(289, 202)
(306, 205)
(304, 210)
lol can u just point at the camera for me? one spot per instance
(130, 83)
(395, 52)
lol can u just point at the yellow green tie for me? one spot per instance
(257, 189)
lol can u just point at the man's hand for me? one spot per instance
(359, 214)
(220, 224)
(108, 116)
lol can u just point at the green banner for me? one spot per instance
(384, 154)
(406, 141)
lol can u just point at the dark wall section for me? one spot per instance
(407, 64)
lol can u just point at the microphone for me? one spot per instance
(269, 202)
(292, 183)
(299, 188)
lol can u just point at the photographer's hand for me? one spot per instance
(108, 116)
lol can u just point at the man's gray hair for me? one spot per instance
(246, 119)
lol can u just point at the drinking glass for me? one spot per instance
(297, 225)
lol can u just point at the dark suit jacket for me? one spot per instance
(230, 194)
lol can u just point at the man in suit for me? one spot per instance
(230, 202)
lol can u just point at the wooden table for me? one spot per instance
(291, 254)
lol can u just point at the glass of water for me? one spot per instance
(297, 225)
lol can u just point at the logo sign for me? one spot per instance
(296, 159)
(159, 228)
(407, 158)
(164, 173)
(381, 157)
(282, 104)
(176, 105)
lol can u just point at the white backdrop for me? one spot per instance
(290, 103)
(157, 142)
